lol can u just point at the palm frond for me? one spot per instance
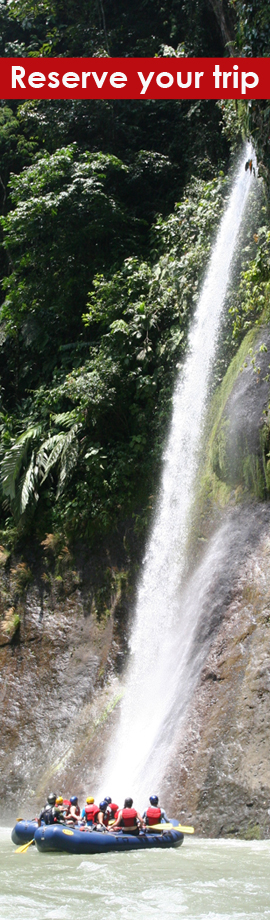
(68, 462)
(59, 444)
(28, 485)
(44, 454)
(14, 457)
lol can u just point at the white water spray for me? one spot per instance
(164, 625)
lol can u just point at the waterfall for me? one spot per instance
(166, 616)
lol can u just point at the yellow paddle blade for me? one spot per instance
(171, 827)
(24, 847)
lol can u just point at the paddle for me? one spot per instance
(24, 847)
(168, 827)
(171, 827)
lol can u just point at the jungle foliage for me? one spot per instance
(108, 212)
(96, 425)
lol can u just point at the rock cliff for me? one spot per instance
(220, 769)
(62, 658)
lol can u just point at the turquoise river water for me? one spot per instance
(203, 880)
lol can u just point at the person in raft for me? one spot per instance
(48, 813)
(60, 810)
(103, 817)
(154, 814)
(90, 811)
(111, 810)
(73, 814)
(128, 819)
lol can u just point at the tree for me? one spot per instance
(67, 222)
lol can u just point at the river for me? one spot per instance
(203, 880)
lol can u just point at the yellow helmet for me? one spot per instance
(59, 800)
(89, 800)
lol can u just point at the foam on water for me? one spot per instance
(203, 880)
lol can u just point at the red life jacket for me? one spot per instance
(153, 815)
(129, 816)
(91, 812)
(112, 811)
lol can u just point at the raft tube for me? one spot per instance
(24, 831)
(86, 841)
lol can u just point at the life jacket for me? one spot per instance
(91, 812)
(112, 812)
(113, 808)
(129, 816)
(47, 815)
(153, 815)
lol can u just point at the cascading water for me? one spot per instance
(166, 618)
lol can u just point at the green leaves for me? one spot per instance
(23, 473)
(28, 489)
(140, 313)
(66, 222)
(93, 437)
(253, 27)
(252, 296)
(14, 458)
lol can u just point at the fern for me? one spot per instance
(65, 419)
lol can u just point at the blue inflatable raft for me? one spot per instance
(24, 831)
(73, 840)
(62, 839)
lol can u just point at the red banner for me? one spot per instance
(135, 78)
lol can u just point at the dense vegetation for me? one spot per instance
(108, 211)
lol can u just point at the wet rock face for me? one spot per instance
(46, 678)
(221, 771)
(53, 695)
